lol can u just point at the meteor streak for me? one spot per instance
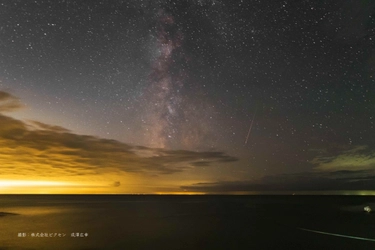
(251, 125)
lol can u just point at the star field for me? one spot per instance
(199, 76)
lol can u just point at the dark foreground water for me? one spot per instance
(186, 222)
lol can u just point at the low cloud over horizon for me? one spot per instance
(336, 168)
(307, 181)
(357, 157)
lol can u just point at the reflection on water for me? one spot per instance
(170, 222)
(36, 216)
(6, 214)
(34, 210)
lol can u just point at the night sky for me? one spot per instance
(200, 96)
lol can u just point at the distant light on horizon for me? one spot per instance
(28, 183)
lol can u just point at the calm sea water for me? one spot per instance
(185, 222)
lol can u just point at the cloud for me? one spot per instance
(356, 158)
(35, 148)
(43, 126)
(335, 167)
(307, 181)
(9, 102)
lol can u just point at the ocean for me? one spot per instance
(186, 222)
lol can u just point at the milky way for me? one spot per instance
(163, 97)
(171, 118)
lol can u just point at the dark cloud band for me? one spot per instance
(46, 150)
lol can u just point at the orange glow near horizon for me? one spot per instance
(28, 183)
(18, 186)
(88, 185)
(41, 187)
